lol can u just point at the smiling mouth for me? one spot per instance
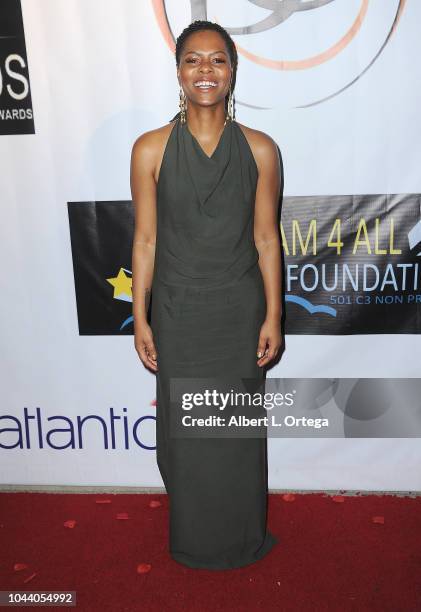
(205, 85)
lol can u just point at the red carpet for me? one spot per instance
(346, 553)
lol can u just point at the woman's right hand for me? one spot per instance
(145, 346)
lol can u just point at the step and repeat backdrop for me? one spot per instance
(336, 83)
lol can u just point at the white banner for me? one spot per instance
(335, 84)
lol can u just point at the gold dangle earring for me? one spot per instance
(230, 108)
(183, 106)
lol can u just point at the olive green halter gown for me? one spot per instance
(208, 305)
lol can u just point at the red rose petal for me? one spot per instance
(70, 523)
(154, 503)
(122, 516)
(288, 497)
(153, 402)
(19, 566)
(338, 498)
(144, 568)
(378, 519)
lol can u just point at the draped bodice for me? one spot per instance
(205, 210)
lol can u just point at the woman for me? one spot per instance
(206, 246)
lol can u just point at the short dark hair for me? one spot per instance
(197, 26)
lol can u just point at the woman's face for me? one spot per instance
(205, 59)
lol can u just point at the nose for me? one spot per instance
(205, 66)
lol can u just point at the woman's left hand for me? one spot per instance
(270, 340)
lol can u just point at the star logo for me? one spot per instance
(122, 284)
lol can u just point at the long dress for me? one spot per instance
(208, 304)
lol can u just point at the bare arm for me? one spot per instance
(143, 188)
(267, 240)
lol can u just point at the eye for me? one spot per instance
(190, 60)
(220, 59)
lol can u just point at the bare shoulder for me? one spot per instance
(148, 148)
(263, 146)
(152, 139)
